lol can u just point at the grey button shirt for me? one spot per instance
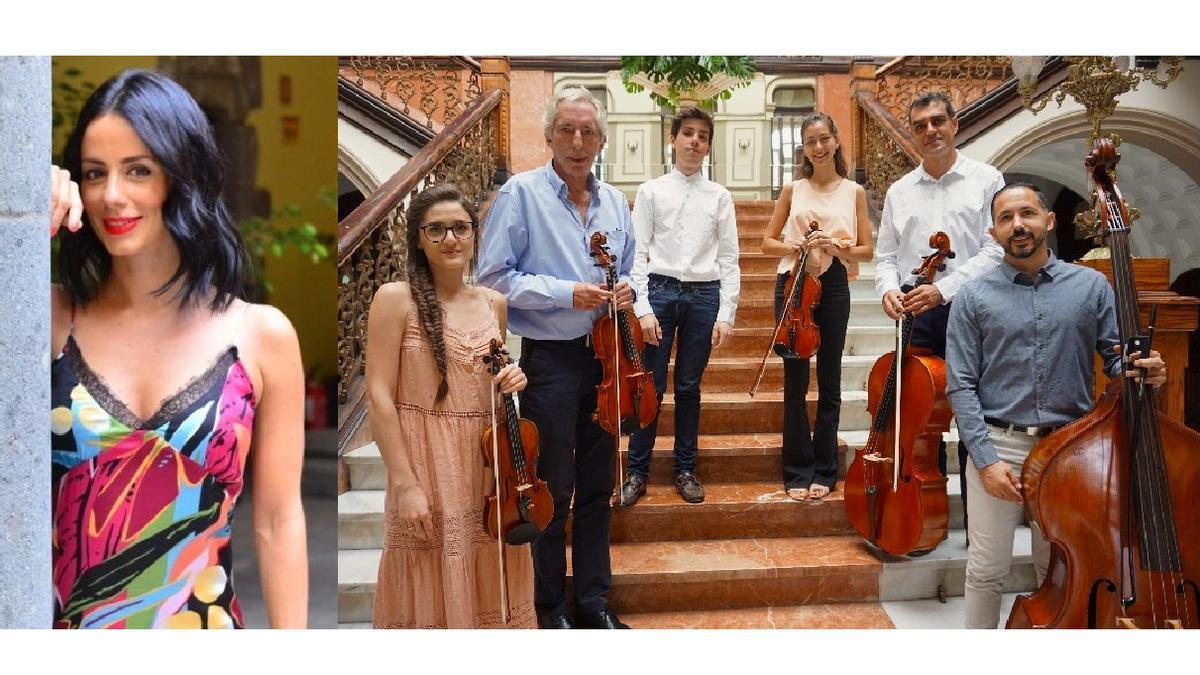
(1020, 349)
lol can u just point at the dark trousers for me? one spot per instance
(576, 460)
(929, 331)
(812, 458)
(686, 312)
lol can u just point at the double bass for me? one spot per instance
(796, 333)
(626, 396)
(521, 505)
(895, 494)
(1115, 492)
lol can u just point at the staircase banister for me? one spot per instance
(356, 227)
(895, 129)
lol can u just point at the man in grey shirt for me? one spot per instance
(1019, 365)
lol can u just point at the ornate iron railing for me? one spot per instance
(431, 91)
(371, 245)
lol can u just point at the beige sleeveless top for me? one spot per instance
(836, 212)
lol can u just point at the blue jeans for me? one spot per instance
(686, 312)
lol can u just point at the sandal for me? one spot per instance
(817, 491)
(798, 494)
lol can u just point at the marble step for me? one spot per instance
(736, 412)
(762, 285)
(737, 373)
(722, 458)
(903, 578)
(933, 613)
(864, 311)
(752, 341)
(749, 207)
(734, 573)
(830, 615)
(756, 263)
(729, 511)
(357, 573)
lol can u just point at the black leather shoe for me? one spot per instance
(555, 621)
(633, 487)
(602, 619)
(689, 487)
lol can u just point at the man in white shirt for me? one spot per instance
(686, 276)
(948, 192)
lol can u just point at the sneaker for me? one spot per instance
(689, 487)
(633, 487)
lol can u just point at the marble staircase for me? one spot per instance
(748, 556)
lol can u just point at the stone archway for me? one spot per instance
(1159, 174)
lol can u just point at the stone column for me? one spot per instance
(25, 586)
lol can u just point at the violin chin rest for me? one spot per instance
(522, 534)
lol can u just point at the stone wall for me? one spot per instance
(25, 600)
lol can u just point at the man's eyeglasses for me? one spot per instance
(436, 232)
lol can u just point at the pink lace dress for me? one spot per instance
(452, 580)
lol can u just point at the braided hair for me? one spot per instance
(430, 313)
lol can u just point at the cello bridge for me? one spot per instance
(876, 457)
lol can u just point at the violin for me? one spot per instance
(521, 505)
(895, 494)
(1115, 491)
(796, 332)
(626, 393)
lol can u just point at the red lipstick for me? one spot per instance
(119, 226)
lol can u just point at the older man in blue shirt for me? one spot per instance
(536, 251)
(1019, 365)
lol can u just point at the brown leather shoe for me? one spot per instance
(634, 487)
(689, 487)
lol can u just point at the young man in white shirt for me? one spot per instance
(686, 275)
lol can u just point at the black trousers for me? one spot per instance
(812, 458)
(929, 331)
(576, 459)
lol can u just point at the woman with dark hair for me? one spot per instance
(822, 193)
(429, 398)
(164, 378)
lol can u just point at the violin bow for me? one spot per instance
(499, 522)
(616, 320)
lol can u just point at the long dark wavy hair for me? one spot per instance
(430, 312)
(805, 168)
(171, 124)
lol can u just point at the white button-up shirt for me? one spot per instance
(959, 204)
(685, 228)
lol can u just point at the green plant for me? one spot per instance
(274, 236)
(71, 92)
(676, 75)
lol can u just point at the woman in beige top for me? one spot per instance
(821, 193)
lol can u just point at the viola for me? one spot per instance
(1115, 491)
(895, 494)
(796, 332)
(626, 394)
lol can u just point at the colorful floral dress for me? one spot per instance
(143, 508)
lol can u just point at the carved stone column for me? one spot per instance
(25, 585)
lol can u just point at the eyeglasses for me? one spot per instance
(568, 131)
(436, 232)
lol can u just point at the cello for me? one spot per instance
(796, 332)
(1115, 491)
(626, 396)
(521, 505)
(895, 494)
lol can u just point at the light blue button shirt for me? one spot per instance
(535, 248)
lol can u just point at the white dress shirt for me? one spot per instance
(685, 228)
(959, 204)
